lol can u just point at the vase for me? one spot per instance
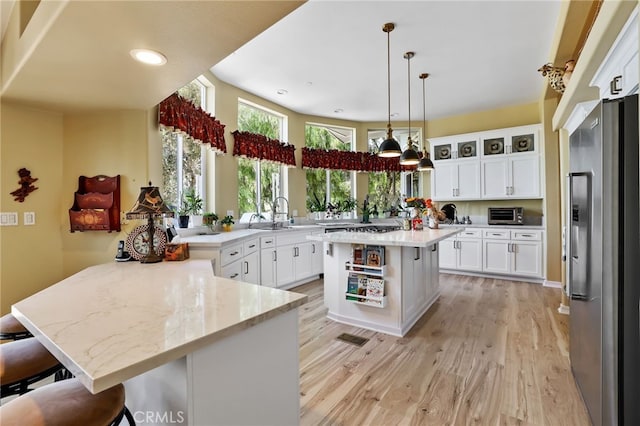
(183, 221)
(226, 227)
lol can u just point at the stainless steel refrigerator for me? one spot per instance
(603, 262)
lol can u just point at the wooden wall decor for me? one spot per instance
(96, 205)
(26, 185)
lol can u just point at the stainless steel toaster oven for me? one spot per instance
(505, 216)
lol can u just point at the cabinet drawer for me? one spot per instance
(267, 242)
(232, 271)
(292, 238)
(496, 234)
(231, 253)
(250, 246)
(470, 233)
(526, 235)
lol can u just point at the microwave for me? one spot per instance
(505, 215)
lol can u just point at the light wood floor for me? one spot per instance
(488, 352)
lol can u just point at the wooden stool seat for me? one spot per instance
(12, 329)
(23, 362)
(66, 403)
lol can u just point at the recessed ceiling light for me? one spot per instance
(149, 57)
(282, 92)
(395, 114)
(338, 110)
(309, 83)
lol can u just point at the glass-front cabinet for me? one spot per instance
(517, 141)
(455, 148)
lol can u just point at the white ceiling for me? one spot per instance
(330, 55)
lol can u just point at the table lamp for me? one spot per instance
(149, 205)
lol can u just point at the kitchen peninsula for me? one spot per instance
(187, 345)
(381, 281)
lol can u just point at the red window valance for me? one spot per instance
(179, 114)
(252, 145)
(350, 160)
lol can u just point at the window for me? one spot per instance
(328, 186)
(183, 159)
(259, 183)
(387, 189)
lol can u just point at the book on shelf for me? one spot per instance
(358, 256)
(375, 287)
(362, 284)
(352, 286)
(374, 256)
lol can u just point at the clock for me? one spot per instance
(138, 244)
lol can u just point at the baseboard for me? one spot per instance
(564, 309)
(553, 284)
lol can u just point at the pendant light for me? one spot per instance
(390, 147)
(425, 165)
(409, 157)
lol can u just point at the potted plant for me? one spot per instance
(365, 210)
(316, 206)
(227, 223)
(347, 206)
(210, 219)
(192, 204)
(183, 217)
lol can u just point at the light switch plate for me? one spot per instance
(9, 219)
(229, 212)
(29, 218)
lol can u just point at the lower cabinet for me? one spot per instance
(464, 251)
(494, 251)
(241, 262)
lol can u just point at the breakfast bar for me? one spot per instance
(190, 348)
(381, 281)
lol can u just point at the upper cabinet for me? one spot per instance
(491, 165)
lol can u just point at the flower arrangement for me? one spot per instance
(417, 202)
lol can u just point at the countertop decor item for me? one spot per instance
(556, 75)
(149, 206)
(389, 147)
(227, 223)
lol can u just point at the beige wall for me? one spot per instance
(31, 256)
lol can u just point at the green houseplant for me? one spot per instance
(227, 223)
(210, 219)
(192, 206)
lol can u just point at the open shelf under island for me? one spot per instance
(408, 271)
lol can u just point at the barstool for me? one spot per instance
(12, 329)
(22, 363)
(67, 403)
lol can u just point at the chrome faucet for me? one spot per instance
(256, 216)
(274, 209)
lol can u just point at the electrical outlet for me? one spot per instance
(29, 218)
(229, 212)
(295, 213)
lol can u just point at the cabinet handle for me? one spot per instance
(453, 192)
(527, 235)
(511, 190)
(275, 255)
(295, 252)
(268, 241)
(434, 247)
(514, 248)
(252, 246)
(497, 235)
(233, 253)
(613, 86)
(313, 248)
(234, 275)
(246, 267)
(506, 190)
(457, 192)
(417, 256)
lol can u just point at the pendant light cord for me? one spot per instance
(408, 55)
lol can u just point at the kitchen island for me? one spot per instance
(383, 282)
(190, 348)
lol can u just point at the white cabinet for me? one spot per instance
(317, 258)
(513, 252)
(251, 261)
(456, 180)
(414, 276)
(268, 259)
(241, 261)
(285, 268)
(463, 251)
(296, 258)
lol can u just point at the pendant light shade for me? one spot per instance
(425, 164)
(390, 147)
(409, 157)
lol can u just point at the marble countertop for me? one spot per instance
(423, 238)
(111, 322)
(222, 238)
(485, 225)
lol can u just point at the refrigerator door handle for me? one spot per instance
(579, 230)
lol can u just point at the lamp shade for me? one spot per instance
(409, 157)
(425, 163)
(149, 204)
(389, 148)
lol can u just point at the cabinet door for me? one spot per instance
(232, 270)
(447, 253)
(251, 268)
(317, 258)
(497, 257)
(302, 261)
(414, 281)
(285, 272)
(444, 181)
(468, 180)
(268, 267)
(526, 258)
(495, 178)
(470, 255)
(525, 176)
(434, 269)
